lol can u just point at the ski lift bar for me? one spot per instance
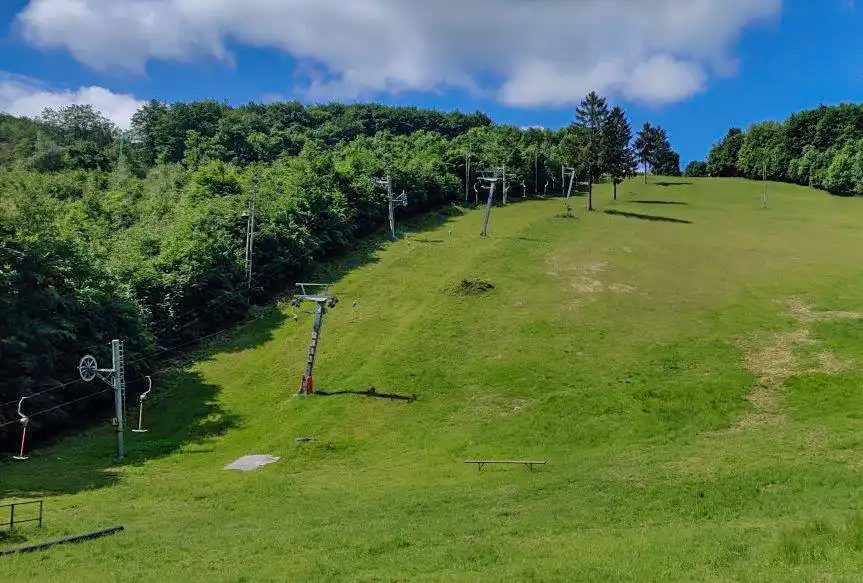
(322, 294)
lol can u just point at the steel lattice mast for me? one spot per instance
(401, 199)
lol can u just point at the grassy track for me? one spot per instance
(688, 362)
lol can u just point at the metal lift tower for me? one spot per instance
(401, 199)
(491, 178)
(568, 172)
(318, 293)
(114, 376)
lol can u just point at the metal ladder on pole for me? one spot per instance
(313, 348)
(121, 372)
(305, 389)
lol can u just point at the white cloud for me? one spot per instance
(543, 52)
(21, 95)
(662, 79)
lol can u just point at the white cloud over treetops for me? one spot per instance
(21, 95)
(540, 52)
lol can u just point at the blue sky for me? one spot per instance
(697, 67)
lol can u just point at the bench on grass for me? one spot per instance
(527, 463)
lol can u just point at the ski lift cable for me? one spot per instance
(73, 401)
(44, 391)
(165, 351)
(203, 306)
(60, 406)
(64, 384)
(182, 315)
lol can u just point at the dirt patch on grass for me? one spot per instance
(766, 410)
(776, 361)
(783, 355)
(585, 281)
(798, 309)
(587, 285)
(772, 362)
(592, 267)
(829, 363)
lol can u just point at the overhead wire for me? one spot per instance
(195, 310)
(130, 362)
(133, 362)
(50, 389)
(60, 406)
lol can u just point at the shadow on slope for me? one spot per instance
(657, 202)
(647, 217)
(673, 183)
(184, 412)
(183, 415)
(366, 250)
(370, 392)
(527, 239)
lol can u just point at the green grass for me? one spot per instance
(613, 344)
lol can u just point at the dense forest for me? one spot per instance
(140, 235)
(821, 147)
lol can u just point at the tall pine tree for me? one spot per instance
(590, 116)
(618, 159)
(664, 160)
(643, 145)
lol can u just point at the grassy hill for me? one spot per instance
(688, 363)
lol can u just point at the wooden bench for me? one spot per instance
(527, 463)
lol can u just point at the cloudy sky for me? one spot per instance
(695, 66)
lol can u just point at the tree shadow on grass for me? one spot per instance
(527, 239)
(672, 183)
(261, 319)
(183, 415)
(257, 328)
(365, 251)
(647, 217)
(657, 202)
(370, 392)
(252, 332)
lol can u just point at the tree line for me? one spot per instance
(139, 234)
(821, 148)
(600, 142)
